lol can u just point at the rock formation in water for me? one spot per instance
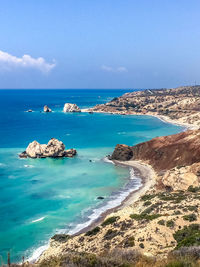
(54, 149)
(68, 107)
(47, 109)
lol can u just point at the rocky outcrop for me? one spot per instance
(53, 149)
(166, 152)
(122, 152)
(47, 109)
(68, 107)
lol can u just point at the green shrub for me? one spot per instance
(92, 232)
(60, 237)
(129, 242)
(144, 216)
(193, 189)
(110, 220)
(147, 197)
(161, 222)
(147, 203)
(190, 217)
(110, 234)
(192, 208)
(188, 236)
(170, 223)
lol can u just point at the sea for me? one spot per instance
(43, 197)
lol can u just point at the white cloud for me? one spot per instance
(9, 62)
(111, 69)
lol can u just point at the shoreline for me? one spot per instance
(148, 179)
(145, 172)
(147, 175)
(160, 117)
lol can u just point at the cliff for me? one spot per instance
(164, 153)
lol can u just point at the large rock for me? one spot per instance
(122, 152)
(47, 109)
(53, 149)
(68, 107)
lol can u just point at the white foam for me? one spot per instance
(38, 220)
(28, 166)
(112, 203)
(108, 160)
(36, 254)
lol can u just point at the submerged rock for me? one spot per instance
(68, 107)
(47, 109)
(53, 149)
(100, 197)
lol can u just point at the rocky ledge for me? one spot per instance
(68, 107)
(54, 149)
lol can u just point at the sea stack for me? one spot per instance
(68, 107)
(54, 149)
(47, 109)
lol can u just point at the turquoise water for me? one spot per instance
(41, 197)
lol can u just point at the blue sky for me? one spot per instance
(99, 43)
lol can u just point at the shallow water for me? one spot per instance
(40, 197)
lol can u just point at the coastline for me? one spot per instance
(163, 118)
(148, 177)
(147, 174)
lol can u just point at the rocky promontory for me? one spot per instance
(164, 153)
(54, 149)
(68, 107)
(180, 104)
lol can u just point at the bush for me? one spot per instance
(193, 189)
(92, 232)
(129, 242)
(147, 203)
(60, 237)
(144, 216)
(161, 222)
(188, 236)
(170, 224)
(110, 234)
(147, 197)
(110, 220)
(190, 217)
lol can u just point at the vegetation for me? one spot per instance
(92, 232)
(161, 222)
(60, 237)
(170, 223)
(110, 234)
(190, 217)
(110, 220)
(147, 197)
(193, 189)
(144, 216)
(188, 236)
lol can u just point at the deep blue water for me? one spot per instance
(40, 197)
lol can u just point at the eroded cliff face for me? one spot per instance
(166, 152)
(175, 158)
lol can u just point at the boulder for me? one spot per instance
(53, 149)
(122, 152)
(68, 107)
(47, 109)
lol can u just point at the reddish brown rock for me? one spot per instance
(166, 152)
